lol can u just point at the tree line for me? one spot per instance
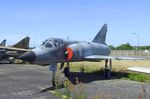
(127, 46)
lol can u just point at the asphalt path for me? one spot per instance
(34, 82)
(24, 82)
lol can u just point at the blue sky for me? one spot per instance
(78, 19)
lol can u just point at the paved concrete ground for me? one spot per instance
(24, 82)
(31, 82)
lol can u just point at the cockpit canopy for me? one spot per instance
(53, 43)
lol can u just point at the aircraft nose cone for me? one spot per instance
(28, 56)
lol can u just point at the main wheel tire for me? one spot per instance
(107, 74)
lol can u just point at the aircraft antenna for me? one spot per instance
(68, 38)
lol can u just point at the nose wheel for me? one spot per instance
(108, 68)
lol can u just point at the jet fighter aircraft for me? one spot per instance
(14, 50)
(56, 50)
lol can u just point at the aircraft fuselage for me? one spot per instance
(56, 50)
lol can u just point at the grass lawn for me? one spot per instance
(119, 68)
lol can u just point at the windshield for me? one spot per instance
(53, 43)
(48, 44)
(44, 42)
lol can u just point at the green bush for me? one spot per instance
(138, 77)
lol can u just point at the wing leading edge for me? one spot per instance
(99, 57)
(14, 49)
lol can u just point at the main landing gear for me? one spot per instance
(108, 68)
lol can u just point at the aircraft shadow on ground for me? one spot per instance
(45, 90)
(94, 76)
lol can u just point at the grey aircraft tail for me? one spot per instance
(24, 43)
(3, 43)
(101, 35)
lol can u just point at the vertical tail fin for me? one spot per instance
(24, 43)
(3, 43)
(101, 35)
